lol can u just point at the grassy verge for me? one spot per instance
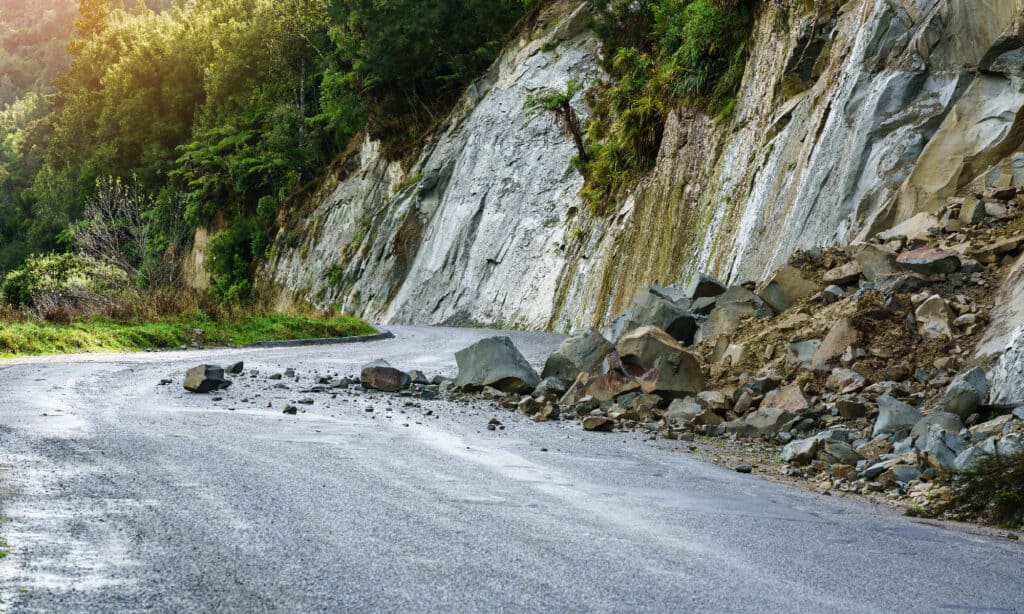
(34, 338)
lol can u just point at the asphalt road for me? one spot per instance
(124, 495)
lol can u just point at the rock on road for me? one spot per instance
(123, 495)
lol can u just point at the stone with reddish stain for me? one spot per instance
(610, 385)
(845, 381)
(929, 261)
(788, 398)
(674, 375)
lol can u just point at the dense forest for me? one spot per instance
(126, 125)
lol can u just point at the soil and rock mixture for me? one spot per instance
(849, 370)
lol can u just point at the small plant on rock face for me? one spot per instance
(559, 103)
(991, 491)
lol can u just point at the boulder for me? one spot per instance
(764, 421)
(851, 407)
(875, 262)
(966, 393)
(599, 424)
(902, 474)
(842, 335)
(800, 451)
(940, 419)
(577, 390)
(929, 261)
(838, 452)
(684, 412)
(972, 211)
(236, 368)
(845, 381)
(916, 228)
(581, 352)
(789, 398)
(874, 449)
(495, 362)
(551, 388)
(786, 287)
(642, 347)
(379, 375)
(894, 416)
(844, 275)
(715, 400)
(934, 318)
(205, 379)
(703, 286)
(607, 386)
(800, 354)
(993, 427)
(724, 319)
(672, 293)
(651, 309)
(778, 407)
(419, 377)
(674, 374)
(942, 447)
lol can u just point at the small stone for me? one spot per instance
(290, 410)
(934, 318)
(744, 469)
(598, 424)
(236, 368)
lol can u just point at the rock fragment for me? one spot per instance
(205, 379)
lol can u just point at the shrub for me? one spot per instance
(992, 491)
(661, 54)
(62, 286)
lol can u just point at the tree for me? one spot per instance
(93, 16)
(559, 103)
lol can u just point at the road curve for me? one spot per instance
(124, 495)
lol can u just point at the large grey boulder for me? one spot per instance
(495, 362)
(940, 419)
(651, 307)
(966, 393)
(703, 286)
(205, 379)
(667, 367)
(942, 447)
(786, 287)
(725, 318)
(876, 262)
(582, 352)
(894, 416)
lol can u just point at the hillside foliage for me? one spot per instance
(220, 111)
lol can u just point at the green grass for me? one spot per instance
(33, 338)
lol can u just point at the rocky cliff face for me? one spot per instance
(852, 116)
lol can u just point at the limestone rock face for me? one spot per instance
(897, 106)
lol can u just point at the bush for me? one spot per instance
(992, 491)
(661, 54)
(62, 286)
